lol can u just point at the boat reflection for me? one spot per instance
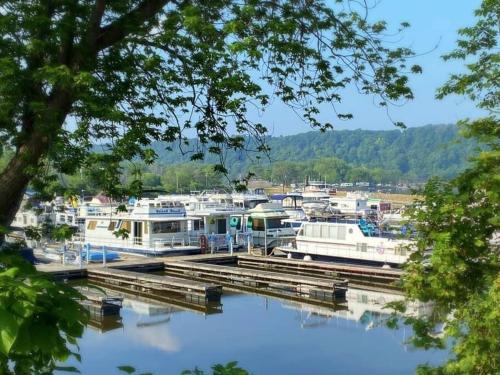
(103, 324)
(365, 307)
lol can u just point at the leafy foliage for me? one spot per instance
(41, 319)
(460, 221)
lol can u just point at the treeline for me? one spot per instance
(339, 156)
(412, 155)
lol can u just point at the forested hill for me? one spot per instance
(414, 154)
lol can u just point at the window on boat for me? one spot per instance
(258, 224)
(151, 205)
(400, 250)
(361, 246)
(127, 225)
(198, 225)
(91, 225)
(166, 227)
(274, 223)
(164, 204)
(112, 225)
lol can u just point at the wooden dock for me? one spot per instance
(101, 305)
(318, 288)
(356, 274)
(193, 291)
(208, 308)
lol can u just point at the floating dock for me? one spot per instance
(193, 291)
(100, 305)
(210, 307)
(356, 274)
(317, 288)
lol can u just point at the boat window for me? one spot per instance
(361, 246)
(151, 205)
(112, 225)
(164, 204)
(258, 224)
(166, 227)
(274, 224)
(146, 227)
(198, 225)
(127, 225)
(92, 224)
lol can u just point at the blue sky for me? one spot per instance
(434, 25)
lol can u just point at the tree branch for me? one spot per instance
(95, 20)
(126, 24)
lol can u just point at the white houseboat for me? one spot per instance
(351, 240)
(265, 222)
(150, 227)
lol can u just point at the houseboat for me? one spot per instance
(210, 219)
(265, 222)
(150, 227)
(355, 241)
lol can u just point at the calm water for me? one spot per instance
(265, 335)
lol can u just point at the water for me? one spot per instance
(265, 336)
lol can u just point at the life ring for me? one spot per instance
(234, 221)
(203, 243)
(380, 248)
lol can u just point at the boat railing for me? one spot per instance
(182, 239)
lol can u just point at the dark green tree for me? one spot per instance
(460, 221)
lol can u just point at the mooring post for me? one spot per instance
(80, 256)
(64, 255)
(88, 253)
(104, 256)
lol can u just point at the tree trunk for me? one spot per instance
(16, 176)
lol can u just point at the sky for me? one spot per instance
(433, 32)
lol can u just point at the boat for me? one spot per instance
(149, 227)
(356, 241)
(291, 203)
(265, 222)
(354, 205)
(210, 218)
(249, 200)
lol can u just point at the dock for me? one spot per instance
(195, 280)
(318, 288)
(101, 305)
(358, 275)
(193, 291)
(209, 308)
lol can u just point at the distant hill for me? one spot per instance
(414, 154)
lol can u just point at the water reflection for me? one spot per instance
(267, 335)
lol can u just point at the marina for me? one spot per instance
(172, 255)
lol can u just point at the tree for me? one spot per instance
(128, 72)
(460, 221)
